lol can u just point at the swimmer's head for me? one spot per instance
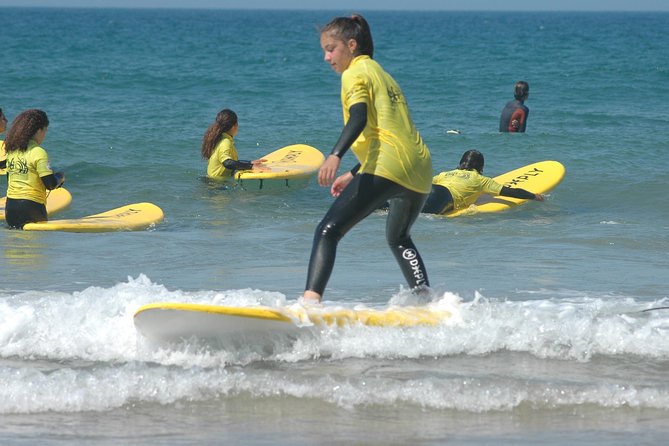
(226, 119)
(472, 160)
(29, 124)
(225, 122)
(521, 90)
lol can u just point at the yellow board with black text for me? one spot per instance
(289, 167)
(131, 217)
(539, 178)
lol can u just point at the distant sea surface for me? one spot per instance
(552, 344)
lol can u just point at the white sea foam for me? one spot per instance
(80, 351)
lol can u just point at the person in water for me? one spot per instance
(515, 112)
(218, 146)
(29, 174)
(458, 189)
(3, 153)
(394, 162)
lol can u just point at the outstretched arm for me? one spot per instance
(522, 194)
(237, 164)
(256, 165)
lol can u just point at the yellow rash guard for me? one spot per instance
(390, 145)
(224, 150)
(25, 171)
(466, 186)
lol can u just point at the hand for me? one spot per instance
(60, 177)
(257, 166)
(328, 170)
(340, 184)
(539, 197)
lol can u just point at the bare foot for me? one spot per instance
(311, 296)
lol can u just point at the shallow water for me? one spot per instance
(551, 344)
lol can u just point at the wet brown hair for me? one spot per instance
(225, 120)
(23, 129)
(472, 160)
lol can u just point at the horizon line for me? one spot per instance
(376, 9)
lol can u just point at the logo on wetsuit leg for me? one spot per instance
(411, 255)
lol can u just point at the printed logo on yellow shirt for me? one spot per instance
(18, 166)
(395, 95)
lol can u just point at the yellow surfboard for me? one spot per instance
(173, 320)
(132, 217)
(56, 201)
(291, 166)
(540, 178)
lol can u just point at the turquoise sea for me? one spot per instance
(551, 344)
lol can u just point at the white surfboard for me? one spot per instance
(168, 321)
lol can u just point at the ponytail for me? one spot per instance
(354, 27)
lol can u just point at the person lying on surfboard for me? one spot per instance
(218, 146)
(29, 174)
(395, 164)
(459, 188)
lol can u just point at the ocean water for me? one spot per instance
(551, 343)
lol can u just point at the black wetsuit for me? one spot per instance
(237, 164)
(514, 110)
(440, 200)
(362, 196)
(18, 212)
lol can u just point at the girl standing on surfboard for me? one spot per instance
(218, 146)
(29, 174)
(394, 163)
(458, 189)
